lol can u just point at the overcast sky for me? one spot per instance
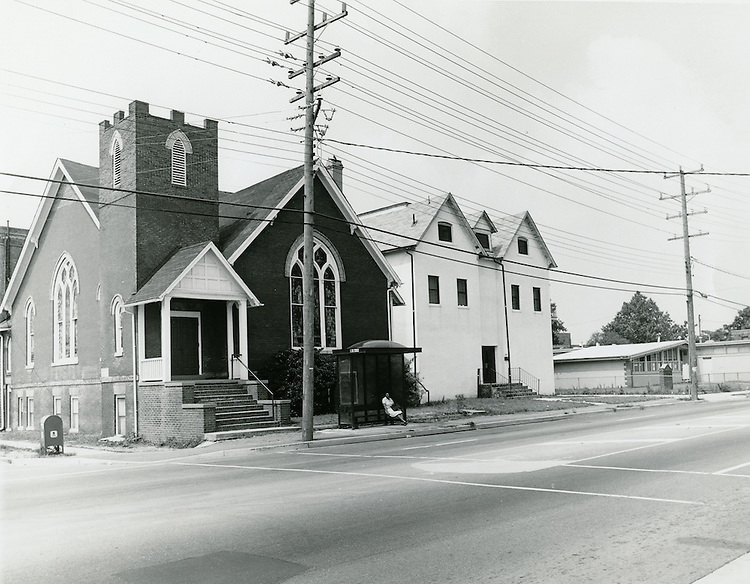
(629, 86)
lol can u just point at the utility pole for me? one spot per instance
(308, 284)
(692, 356)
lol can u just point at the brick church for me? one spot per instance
(141, 287)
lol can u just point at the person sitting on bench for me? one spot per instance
(388, 405)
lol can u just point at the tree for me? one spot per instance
(740, 322)
(606, 338)
(557, 326)
(639, 321)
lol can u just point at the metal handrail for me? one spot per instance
(251, 372)
(259, 380)
(499, 377)
(527, 379)
(427, 391)
(520, 375)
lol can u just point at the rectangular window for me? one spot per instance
(120, 415)
(537, 299)
(57, 405)
(30, 413)
(21, 411)
(433, 287)
(523, 246)
(461, 292)
(515, 297)
(445, 232)
(73, 414)
(484, 240)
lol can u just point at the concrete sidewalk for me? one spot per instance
(291, 436)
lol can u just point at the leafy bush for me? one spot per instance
(412, 388)
(284, 374)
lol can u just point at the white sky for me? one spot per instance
(628, 85)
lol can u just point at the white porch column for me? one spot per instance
(230, 341)
(166, 338)
(244, 350)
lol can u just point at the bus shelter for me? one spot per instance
(366, 372)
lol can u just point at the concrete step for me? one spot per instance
(244, 425)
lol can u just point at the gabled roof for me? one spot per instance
(215, 279)
(65, 171)
(245, 213)
(252, 209)
(507, 230)
(404, 225)
(476, 220)
(86, 181)
(616, 352)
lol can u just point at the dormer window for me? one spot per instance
(180, 146)
(484, 239)
(523, 246)
(445, 231)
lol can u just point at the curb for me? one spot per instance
(413, 432)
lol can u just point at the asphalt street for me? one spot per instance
(653, 495)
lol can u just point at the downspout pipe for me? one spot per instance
(134, 347)
(413, 311)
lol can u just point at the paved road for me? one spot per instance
(656, 495)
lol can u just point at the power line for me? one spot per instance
(118, 203)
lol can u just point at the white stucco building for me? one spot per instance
(476, 295)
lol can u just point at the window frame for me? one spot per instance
(29, 413)
(462, 294)
(75, 413)
(515, 297)
(445, 231)
(483, 238)
(121, 415)
(29, 317)
(65, 325)
(21, 412)
(56, 405)
(117, 308)
(537, 294)
(324, 274)
(433, 290)
(116, 152)
(523, 246)
(179, 146)
(179, 164)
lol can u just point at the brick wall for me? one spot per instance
(11, 243)
(364, 311)
(163, 417)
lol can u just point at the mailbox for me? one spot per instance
(667, 381)
(52, 435)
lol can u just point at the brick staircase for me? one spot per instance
(235, 409)
(505, 390)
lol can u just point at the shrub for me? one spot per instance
(412, 387)
(284, 374)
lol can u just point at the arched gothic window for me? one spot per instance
(65, 312)
(180, 146)
(30, 313)
(117, 309)
(327, 297)
(116, 160)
